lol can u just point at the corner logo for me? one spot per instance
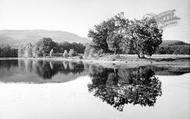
(165, 19)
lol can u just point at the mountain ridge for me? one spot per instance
(173, 42)
(16, 38)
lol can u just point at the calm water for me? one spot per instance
(57, 90)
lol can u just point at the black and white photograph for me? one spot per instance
(94, 59)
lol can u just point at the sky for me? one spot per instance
(78, 16)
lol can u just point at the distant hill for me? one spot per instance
(173, 42)
(16, 38)
(173, 47)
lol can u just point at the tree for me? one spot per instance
(51, 53)
(88, 47)
(101, 33)
(119, 34)
(28, 50)
(92, 51)
(43, 46)
(65, 54)
(114, 42)
(72, 53)
(7, 51)
(146, 36)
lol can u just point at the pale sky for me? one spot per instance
(78, 16)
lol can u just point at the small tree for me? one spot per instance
(92, 51)
(65, 54)
(72, 53)
(51, 53)
(87, 50)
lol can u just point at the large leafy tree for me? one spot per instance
(102, 34)
(120, 34)
(146, 36)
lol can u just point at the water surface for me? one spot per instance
(47, 89)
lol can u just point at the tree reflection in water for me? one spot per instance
(118, 87)
(47, 69)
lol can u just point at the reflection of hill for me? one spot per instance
(172, 71)
(118, 87)
(169, 70)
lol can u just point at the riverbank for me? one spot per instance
(124, 60)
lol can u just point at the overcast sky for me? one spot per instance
(78, 16)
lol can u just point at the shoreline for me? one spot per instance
(123, 60)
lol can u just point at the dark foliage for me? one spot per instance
(102, 34)
(7, 51)
(79, 47)
(146, 36)
(174, 49)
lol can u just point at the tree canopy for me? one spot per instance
(146, 36)
(121, 35)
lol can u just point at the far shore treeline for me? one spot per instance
(41, 48)
(7, 51)
(116, 35)
(47, 47)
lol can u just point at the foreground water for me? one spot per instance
(45, 90)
